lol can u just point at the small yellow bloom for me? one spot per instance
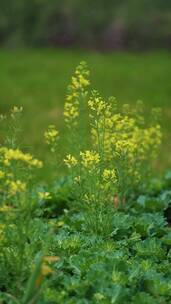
(44, 195)
(76, 91)
(16, 109)
(97, 105)
(70, 161)
(9, 155)
(16, 187)
(51, 135)
(109, 175)
(89, 158)
(71, 111)
(83, 81)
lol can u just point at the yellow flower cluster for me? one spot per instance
(89, 159)
(138, 142)
(70, 161)
(109, 179)
(8, 155)
(152, 140)
(120, 134)
(109, 175)
(76, 91)
(16, 110)
(119, 145)
(16, 187)
(13, 164)
(79, 81)
(51, 135)
(44, 195)
(97, 105)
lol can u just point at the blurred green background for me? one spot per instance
(114, 24)
(126, 44)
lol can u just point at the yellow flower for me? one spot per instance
(51, 135)
(18, 155)
(89, 158)
(70, 161)
(71, 111)
(109, 174)
(16, 110)
(76, 92)
(97, 104)
(36, 163)
(16, 187)
(44, 195)
(83, 81)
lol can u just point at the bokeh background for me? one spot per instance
(126, 43)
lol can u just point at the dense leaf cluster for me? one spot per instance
(128, 263)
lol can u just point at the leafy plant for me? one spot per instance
(99, 235)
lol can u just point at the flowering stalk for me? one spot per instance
(108, 165)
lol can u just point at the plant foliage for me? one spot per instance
(102, 233)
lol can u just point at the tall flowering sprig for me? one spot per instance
(76, 90)
(16, 166)
(124, 142)
(10, 126)
(75, 109)
(120, 137)
(100, 114)
(16, 169)
(109, 146)
(18, 198)
(52, 137)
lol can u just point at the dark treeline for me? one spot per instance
(102, 24)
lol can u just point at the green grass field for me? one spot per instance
(37, 79)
